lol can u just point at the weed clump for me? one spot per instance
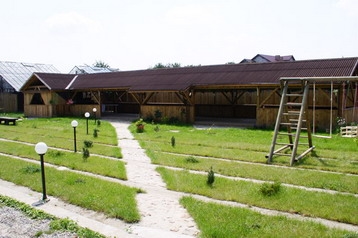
(270, 189)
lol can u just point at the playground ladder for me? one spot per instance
(292, 115)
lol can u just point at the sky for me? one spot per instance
(138, 34)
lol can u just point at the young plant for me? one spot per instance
(173, 141)
(211, 177)
(85, 154)
(95, 133)
(88, 143)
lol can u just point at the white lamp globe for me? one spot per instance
(74, 123)
(94, 109)
(41, 148)
(87, 114)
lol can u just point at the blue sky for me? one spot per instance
(137, 34)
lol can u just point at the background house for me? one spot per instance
(261, 58)
(87, 69)
(13, 75)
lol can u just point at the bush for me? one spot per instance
(85, 154)
(173, 141)
(88, 143)
(211, 177)
(95, 133)
(270, 189)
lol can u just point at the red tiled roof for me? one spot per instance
(178, 79)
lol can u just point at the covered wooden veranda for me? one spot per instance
(246, 91)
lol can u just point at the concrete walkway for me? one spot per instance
(160, 209)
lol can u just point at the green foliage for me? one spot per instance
(111, 198)
(98, 122)
(95, 133)
(218, 220)
(31, 169)
(156, 128)
(191, 159)
(26, 209)
(88, 143)
(98, 165)
(270, 189)
(172, 140)
(337, 207)
(55, 153)
(101, 64)
(140, 125)
(85, 154)
(211, 177)
(71, 226)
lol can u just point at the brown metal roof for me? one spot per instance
(53, 81)
(179, 79)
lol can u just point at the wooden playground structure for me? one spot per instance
(293, 116)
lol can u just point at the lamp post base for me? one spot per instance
(41, 202)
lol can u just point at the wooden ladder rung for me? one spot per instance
(288, 144)
(282, 154)
(288, 124)
(291, 134)
(294, 95)
(294, 104)
(291, 113)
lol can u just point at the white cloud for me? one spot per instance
(71, 22)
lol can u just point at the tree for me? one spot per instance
(101, 64)
(169, 65)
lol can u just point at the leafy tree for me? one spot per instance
(101, 64)
(169, 65)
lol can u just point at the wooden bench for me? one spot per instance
(8, 120)
(349, 131)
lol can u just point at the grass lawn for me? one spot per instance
(113, 199)
(216, 220)
(241, 153)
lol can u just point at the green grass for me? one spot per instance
(94, 164)
(113, 199)
(221, 221)
(337, 154)
(309, 178)
(337, 207)
(57, 132)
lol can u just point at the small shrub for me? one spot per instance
(173, 141)
(95, 133)
(140, 125)
(88, 143)
(156, 129)
(85, 154)
(191, 159)
(211, 177)
(270, 189)
(31, 169)
(98, 122)
(55, 153)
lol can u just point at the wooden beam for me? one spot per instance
(269, 96)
